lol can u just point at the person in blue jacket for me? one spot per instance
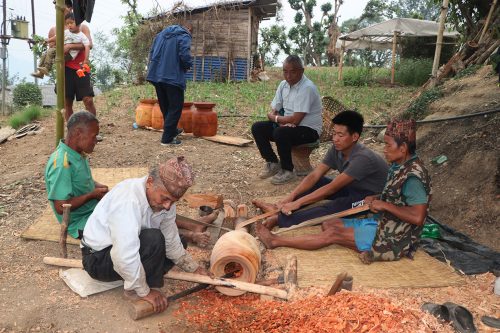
(169, 60)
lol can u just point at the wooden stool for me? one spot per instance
(300, 158)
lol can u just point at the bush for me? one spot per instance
(418, 108)
(27, 94)
(472, 69)
(28, 114)
(357, 76)
(413, 72)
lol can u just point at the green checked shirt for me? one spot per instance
(68, 175)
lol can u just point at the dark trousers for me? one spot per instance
(171, 100)
(337, 202)
(285, 138)
(152, 251)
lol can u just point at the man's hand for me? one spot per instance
(272, 115)
(157, 299)
(377, 205)
(289, 198)
(288, 208)
(99, 192)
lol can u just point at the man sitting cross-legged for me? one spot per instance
(362, 173)
(394, 230)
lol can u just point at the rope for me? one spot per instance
(443, 119)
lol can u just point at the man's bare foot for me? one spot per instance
(264, 206)
(270, 222)
(201, 238)
(265, 236)
(366, 257)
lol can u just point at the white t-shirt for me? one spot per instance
(75, 38)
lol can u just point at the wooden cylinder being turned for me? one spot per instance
(236, 249)
(140, 309)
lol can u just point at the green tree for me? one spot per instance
(274, 40)
(26, 93)
(124, 36)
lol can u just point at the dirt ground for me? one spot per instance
(34, 299)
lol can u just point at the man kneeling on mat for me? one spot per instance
(400, 212)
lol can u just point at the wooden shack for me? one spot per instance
(225, 38)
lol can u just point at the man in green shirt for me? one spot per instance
(67, 175)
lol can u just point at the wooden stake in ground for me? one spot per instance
(64, 229)
(290, 275)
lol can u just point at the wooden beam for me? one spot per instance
(228, 283)
(439, 41)
(341, 61)
(393, 66)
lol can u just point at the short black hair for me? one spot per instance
(294, 60)
(80, 119)
(353, 120)
(69, 16)
(68, 3)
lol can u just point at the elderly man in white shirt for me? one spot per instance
(132, 235)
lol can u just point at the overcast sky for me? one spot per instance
(107, 15)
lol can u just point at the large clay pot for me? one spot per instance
(143, 112)
(186, 120)
(157, 117)
(204, 119)
(236, 249)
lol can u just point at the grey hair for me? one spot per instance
(80, 119)
(154, 173)
(294, 60)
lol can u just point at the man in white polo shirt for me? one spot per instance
(295, 119)
(132, 235)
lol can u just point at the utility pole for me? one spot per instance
(3, 55)
(33, 20)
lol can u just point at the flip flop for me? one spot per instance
(490, 321)
(461, 318)
(437, 310)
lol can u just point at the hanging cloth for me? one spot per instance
(82, 9)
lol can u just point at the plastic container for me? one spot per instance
(157, 117)
(204, 119)
(143, 112)
(185, 122)
(236, 249)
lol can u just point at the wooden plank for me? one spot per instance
(257, 218)
(196, 200)
(229, 140)
(228, 283)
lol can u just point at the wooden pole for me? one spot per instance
(59, 62)
(341, 62)
(393, 66)
(439, 41)
(4, 57)
(487, 23)
(228, 283)
(290, 275)
(249, 45)
(63, 262)
(64, 229)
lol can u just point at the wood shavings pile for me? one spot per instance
(343, 312)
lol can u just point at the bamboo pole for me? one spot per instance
(59, 62)
(487, 23)
(341, 62)
(439, 41)
(393, 66)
